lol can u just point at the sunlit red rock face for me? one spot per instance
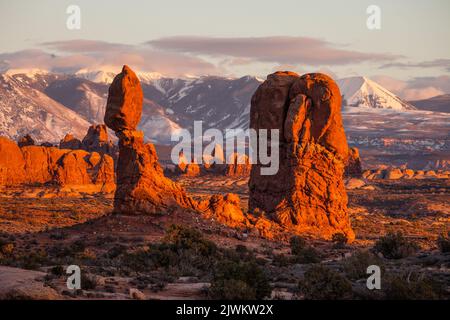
(142, 187)
(11, 163)
(238, 166)
(61, 167)
(307, 194)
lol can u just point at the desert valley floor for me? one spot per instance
(41, 233)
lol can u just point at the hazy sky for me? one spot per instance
(232, 37)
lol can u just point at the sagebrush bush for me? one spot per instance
(355, 266)
(239, 280)
(340, 240)
(184, 251)
(395, 246)
(307, 255)
(302, 252)
(57, 270)
(187, 238)
(409, 286)
(88, 282)
(323, 283)
(297, 243)
(444, 243)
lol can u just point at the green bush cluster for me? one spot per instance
(323, 283)
(444, 243)
(395, 246)
(409, 286)
(355, 267)
(302, 252)
(239, 280)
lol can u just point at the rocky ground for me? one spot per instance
(136, 257)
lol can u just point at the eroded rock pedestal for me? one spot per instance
(307, 194)
(142, 187)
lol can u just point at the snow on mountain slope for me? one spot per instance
(106, 75)
(219, 102)
(24, 110)
(85, 97)
(170, 104)
(30, 73)
(88, 99)
(363, 92)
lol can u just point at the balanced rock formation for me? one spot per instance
(307, 194)
(26, 140)
(142, 187)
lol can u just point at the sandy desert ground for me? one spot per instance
(127, 257)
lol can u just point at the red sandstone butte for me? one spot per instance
(307, 194)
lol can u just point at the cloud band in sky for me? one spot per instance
(278, 49)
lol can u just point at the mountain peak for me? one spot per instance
(363, 92)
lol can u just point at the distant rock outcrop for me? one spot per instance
(187, 167)
(307, 194)
(97, 140)
(11, 163)
(61, 167)
(225, 209)
(26, 140)
(238, 165)
(70, 142)
(398, 173)
(353, 166)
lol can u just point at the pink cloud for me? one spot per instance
(279, 49)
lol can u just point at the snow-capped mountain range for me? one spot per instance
(49, 105)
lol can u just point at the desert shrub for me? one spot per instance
(78, 246)
(413, 287)
(281, 260)
(355, 267)
(322, 283)
(184, 251)
(59, 235)
(239, 281)
(7, 249)
(33, 260)
(339, 239)
(302, 252)
(241, 248)
(231, 289)
(88, 282)
(444, 243)
(307, 255)
(57, 270)
(395, 246)
(116, 251)
(187, 238)
(297, 244)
